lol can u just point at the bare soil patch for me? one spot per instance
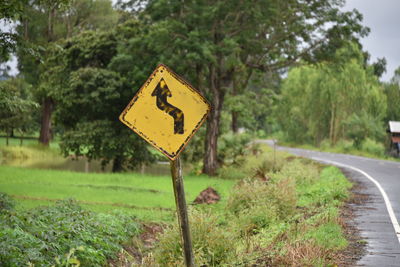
(207, 196)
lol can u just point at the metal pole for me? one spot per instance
(179, 192)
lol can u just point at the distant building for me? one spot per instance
(394, 131)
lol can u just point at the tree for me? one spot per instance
(44, 22)
(16, 106)
(10, 10)
(392, 92)
(217, 45)
(90, 97)
(332, 100)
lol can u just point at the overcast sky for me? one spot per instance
(383, 18)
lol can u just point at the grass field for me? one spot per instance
(148, 197)
(285, 211)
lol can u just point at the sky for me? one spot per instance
(382, 17)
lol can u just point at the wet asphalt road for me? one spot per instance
(373, 220)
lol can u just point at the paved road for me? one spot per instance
(374, 221)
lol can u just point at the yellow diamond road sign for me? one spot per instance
(166, 111)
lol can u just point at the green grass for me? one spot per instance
(287, 213)
(17, 142)
(147, 197)
(34, 155)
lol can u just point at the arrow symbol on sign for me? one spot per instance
(162, 92)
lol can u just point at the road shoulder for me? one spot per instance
(373, 222)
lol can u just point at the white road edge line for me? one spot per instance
(389, 208)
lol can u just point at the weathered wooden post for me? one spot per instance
(166, 112)
(177, 181)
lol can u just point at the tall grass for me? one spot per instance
(146, 196)
(289, 219)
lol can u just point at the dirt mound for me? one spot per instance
(207, 196)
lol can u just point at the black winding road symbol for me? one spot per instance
(162, 92)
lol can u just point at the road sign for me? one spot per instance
(166, 111)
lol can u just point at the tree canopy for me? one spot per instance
(332, 100)
(92, 58)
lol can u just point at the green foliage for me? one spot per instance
(231, 172)
(292, 219)
(330, 189)
(372, 147)
(232, 148)
(392, 92)
(332, 101)
(10, 10)
(328, 236)
(230, 55)
(212, 245)
(363, 126)
(147, 197)
(100, 94)
(17, 107)
(309, 172)
(6, 203)
(43, 235)
(278, 195)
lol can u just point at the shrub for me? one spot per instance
(6, 203)
(345, 145)
(328, 236)
(250, 221)
(372, 147)
(262, 164)
(280, 195)
(44, 234)
(231, 173)
(325, 144)
(232, 148)
(302, 173)
(331, 188)
(212, 245)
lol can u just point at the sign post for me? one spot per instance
(166, 112)
(177, 181)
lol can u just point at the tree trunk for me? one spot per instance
(210, 160)
(50, 24)
(45, 130)
(234, 114)
(235, 126)
(117, 164)
(332, 123)
(26, 32)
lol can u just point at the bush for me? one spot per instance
(231, 173)
(301, 172)
(232, 148)
(249, 193)
(6, 203)
(43, 235)
(372, 147)
(345, 145)
(331, 188)
(250, 221)
(212, 245)
(325, 144)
